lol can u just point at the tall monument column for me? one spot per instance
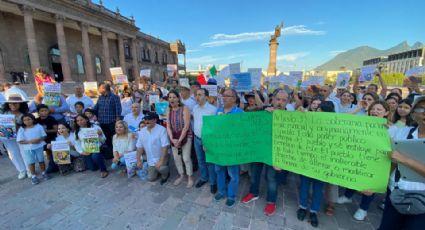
(31, 41)
(106, 55)
(273, 44)
(88, 63)
(121, 52)
(60, 33)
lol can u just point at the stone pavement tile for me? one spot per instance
(211, 213)
(345, 220)
(374, 219)
(258, 225)
(167, 207)
(224, 221)
(47, 213)
(204, 198)
(94, 219)
(192, 219)
(244, 209)
(205, 224)
(241, 221)
(54, 219)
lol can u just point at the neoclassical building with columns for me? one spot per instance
(78, 40)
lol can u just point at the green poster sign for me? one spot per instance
(238, 138)
(347, 150)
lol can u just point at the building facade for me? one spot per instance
(399, 62)
(78, 40)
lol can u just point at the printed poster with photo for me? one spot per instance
(145, 73)
(52, 93)
(241, 82)
(90, 141)
(172, 70)
(342, 80)
(161, 107)
(90, 89)
(367, 73)
(7, 126)
(131, 163)
(61, 152)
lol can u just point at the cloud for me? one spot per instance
(192, 51)
(226, 39)
(320, 23)
(336, 52)
(292, 57)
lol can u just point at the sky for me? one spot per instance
(230, 31)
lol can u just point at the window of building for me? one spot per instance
(80, 64)
(113, 62)
(127, 51)
(98, 64)
(148, 52)
(156, 57)
(143, 54)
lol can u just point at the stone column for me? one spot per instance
(135, 60)
(88, 63)
(2, 69)
(271, 70)
(31, 41)
(121, 52)
(60, 33)
(106, 56)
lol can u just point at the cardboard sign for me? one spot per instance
(116, 71)
(90, 141)
(121, 79)
(367, 73)
(60, 150)
(90, 89)
(52, 93)
(241, 82)
(7, 126)
(343, 80)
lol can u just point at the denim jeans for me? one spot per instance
(95, 161)
(271, 180)
(114, 166)
(305, 190)
(206, 170)
(366, 200)
(392, 219)
(232, 188)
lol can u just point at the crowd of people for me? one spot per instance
(127, 122)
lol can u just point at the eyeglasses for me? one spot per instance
(419, 110)
(224, 95)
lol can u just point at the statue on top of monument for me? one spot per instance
(277, 32)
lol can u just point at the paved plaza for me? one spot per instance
(85, 201)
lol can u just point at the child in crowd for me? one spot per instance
(92, 116)
(31, 138)
(50, 126)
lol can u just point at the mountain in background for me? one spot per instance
(354, 58)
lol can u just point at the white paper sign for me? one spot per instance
(212, 89)
(121, 79)
(343, 80)
(184, 82)
(145, 73)
(171, 70)
(367, 73)
(295, 77)
(52, 93)
(153, 99)
(60, 150)
(255, 76)
(234, 68)
(131, 163)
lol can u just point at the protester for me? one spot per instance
(108, 111)
(180, 133)
(31, 138)
(123, 143)
(134, 118)
(186, 98)
(65, 134)
(15, 104)
(280, 100)
(90, 113)
(93, 161)
(79, 96)
(392, 218)
(153, 142)
(207, 170)
(230, 98)
(126, 102)
(50, 126)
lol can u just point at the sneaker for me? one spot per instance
(29, 175)
(344, 200)
(213, 189)
(45, 176)
(301, 213)
(34, 180)
(189, 183)
(230, 203)
(313, 219)
(22, 175)
(270, 209)
(178, 180)
(200, 183)
(249, 198)
(218, 197)
(360, 214)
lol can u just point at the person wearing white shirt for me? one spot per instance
(134, 118)
(392, 218)
(79, 96)
(153, 141)
(186, 99)
(203, 108)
